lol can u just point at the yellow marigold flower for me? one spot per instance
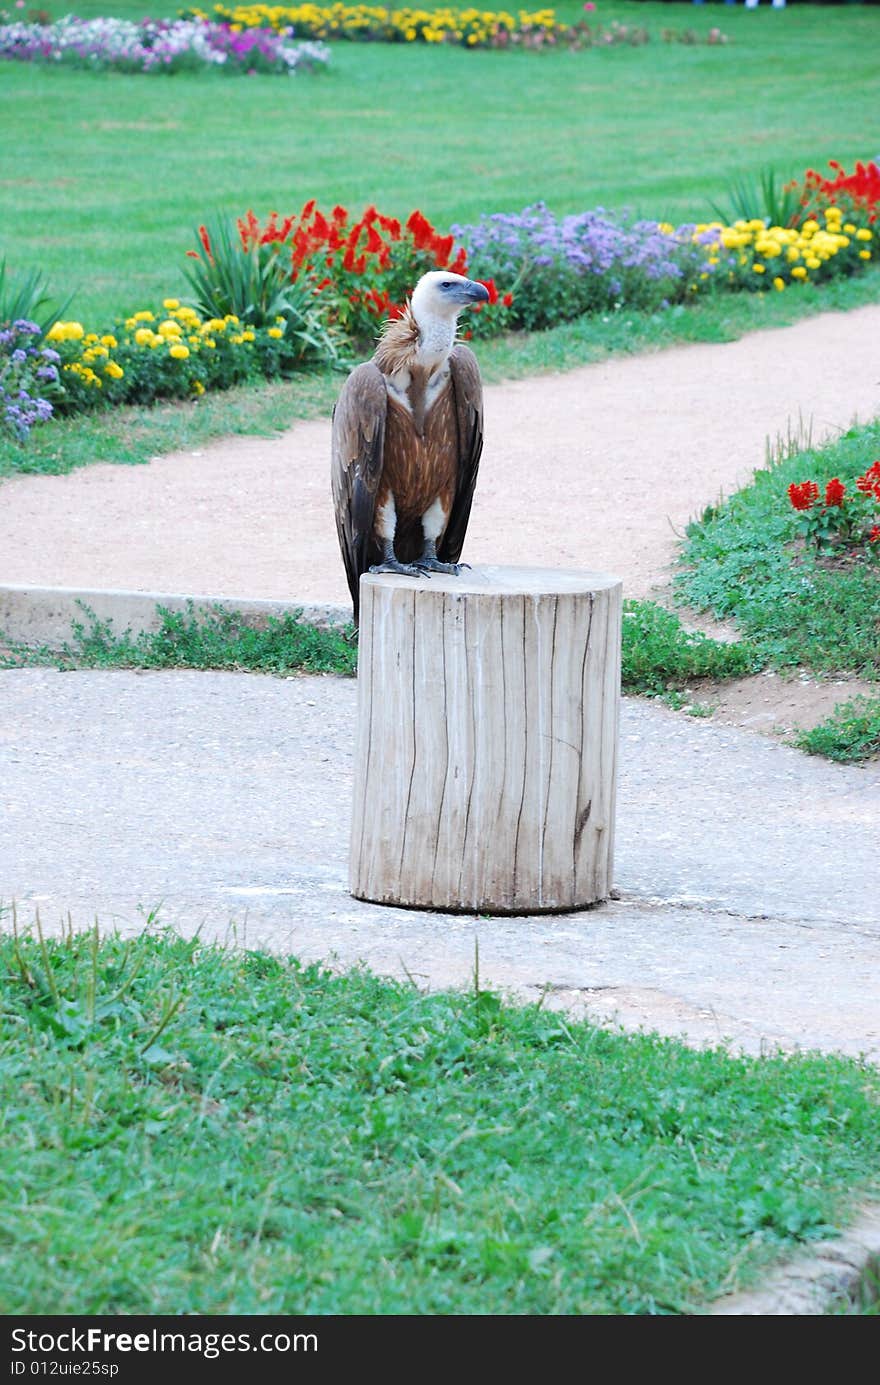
(114, 370)
(799, 272)
(178, 351)
(230, 317)
(849, 228)
(274, 332)
(756, 224)
(109, 340)
(156, 340)
(169, 328)
(863, 233)
(864, 254)
(779, 284)
(759, 268)
(792, 254)
(130, 323)
(170, 303)
(90, 337)
(65, 331)
(198, 387)
(144, 316)
(144, 336)
(810, 227)
(812, 262)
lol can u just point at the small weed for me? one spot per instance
(852, 732)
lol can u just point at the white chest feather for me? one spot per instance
(404, 386)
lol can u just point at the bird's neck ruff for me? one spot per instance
(407, 345)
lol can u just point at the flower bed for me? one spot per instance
(591, 262)
(837, 520)
(468, 28)
(271, 297)
(159, 46)
(173, 354)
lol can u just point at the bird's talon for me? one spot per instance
(402, 569)
(429, 565)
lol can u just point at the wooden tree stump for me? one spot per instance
(486, 761)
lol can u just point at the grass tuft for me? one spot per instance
(660, 656)
(851, 733)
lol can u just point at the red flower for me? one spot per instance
(874, 536)
(442, 248)
(421, 231)
(340, 216)
(804, 495)
(493, 292)
(507, 300)
(459, 264)
(206, 243)
(835, 492)
(390, 225)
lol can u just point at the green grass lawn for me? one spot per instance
(108, 174)
(193, 1130)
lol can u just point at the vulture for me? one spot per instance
(407, 437)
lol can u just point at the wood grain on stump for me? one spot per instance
(486, 761)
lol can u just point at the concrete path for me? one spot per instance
(747, 874)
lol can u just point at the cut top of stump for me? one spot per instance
(500, 581)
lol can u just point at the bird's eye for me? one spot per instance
(447, 284)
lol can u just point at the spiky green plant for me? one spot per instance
(24, 296)
(254, 283)
(767, 197)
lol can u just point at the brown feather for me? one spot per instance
(399, 343)
(381, 449)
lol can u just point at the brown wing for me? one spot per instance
(468, 390)
(356, 469)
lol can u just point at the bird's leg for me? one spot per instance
(433, 524)
(389, 562)
(386, 526)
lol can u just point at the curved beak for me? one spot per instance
(472, 292)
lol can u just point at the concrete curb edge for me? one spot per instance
(45, 615)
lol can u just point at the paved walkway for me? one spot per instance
(748, 906)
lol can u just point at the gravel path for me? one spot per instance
(598, 468)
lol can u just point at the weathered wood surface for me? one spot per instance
(486, 760)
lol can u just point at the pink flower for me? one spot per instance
(589, 6)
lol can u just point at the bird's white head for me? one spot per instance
(443, 295)
(437, 300)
